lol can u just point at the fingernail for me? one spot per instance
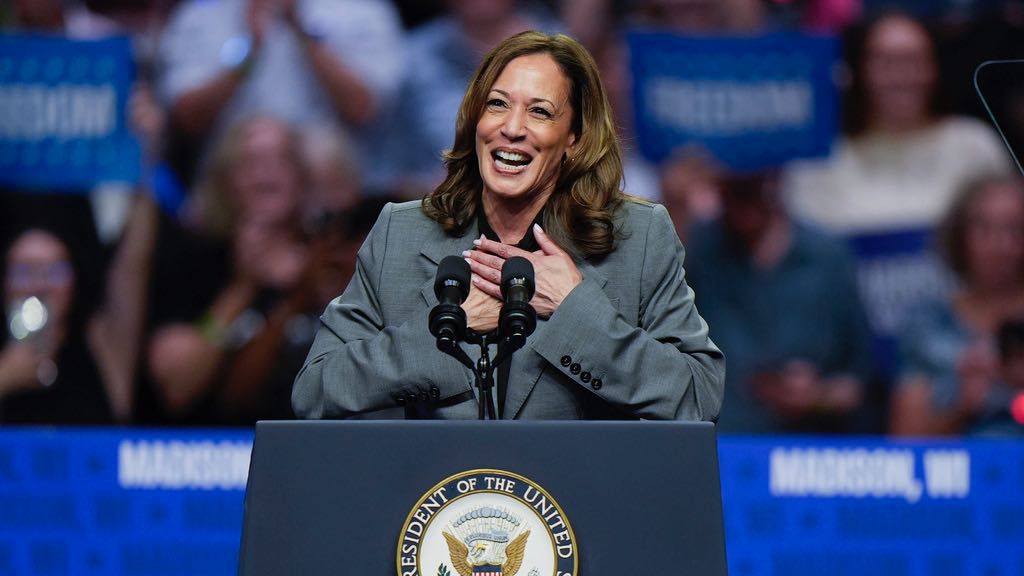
(465, 254)
(476, 242)
(537, 228)
(475, 278)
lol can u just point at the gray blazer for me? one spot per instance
(626, 343)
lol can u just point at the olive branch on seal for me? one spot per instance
(442, 570)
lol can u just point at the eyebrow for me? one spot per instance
(532, 100)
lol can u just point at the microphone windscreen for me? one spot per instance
(452, 271)
(517, 268)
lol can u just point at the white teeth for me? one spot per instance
(512, 156)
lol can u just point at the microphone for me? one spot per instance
(451, 286)
(517, 319)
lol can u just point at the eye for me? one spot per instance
(496, 103)
(542, 112)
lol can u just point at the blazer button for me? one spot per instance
(596, 384)
(424, 396)
(566, 360)
(585, 377)
(575, 368)
(435, 392)
(400, 399)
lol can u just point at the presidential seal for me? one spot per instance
(486, 523)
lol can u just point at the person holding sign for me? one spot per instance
(534, 172)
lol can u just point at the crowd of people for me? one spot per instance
(275, 131)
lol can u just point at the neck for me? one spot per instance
(511, 219)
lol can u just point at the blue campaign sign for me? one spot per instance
(754, 102)
(897, 270)
(63, 113)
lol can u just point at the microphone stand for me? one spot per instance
(484, 373)
(483, 369)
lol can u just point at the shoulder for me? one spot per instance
(644, 230)
(401, 215)
(966, 126)
(969, 134)
(405, 222)
(638, 214)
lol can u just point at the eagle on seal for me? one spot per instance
(487, 557)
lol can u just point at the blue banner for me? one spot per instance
(63, 113)
(896, 271)
(817, 507)
(135, 502)
(754, 102)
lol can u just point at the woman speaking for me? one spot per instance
(534, 172)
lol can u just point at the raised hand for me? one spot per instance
(555, 274)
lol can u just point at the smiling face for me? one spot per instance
(525, 131)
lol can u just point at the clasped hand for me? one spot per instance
(555, 275)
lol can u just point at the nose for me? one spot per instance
(513, 127)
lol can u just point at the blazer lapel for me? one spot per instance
(531, 370)
(445, 246)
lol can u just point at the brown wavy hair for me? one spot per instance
(579, 215)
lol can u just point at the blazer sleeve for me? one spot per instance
(664, 367)
(358, 364)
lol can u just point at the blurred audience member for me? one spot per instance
(70, 351)
(782, 303)
(690, 189)
(334, 185)
(950, 374)
(901, 160)
(236, 299)
(212, 286)
(110, 202)
(443, 54)
(334, 62)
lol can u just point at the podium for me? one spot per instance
(447, 498)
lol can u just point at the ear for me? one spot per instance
(571, 145)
